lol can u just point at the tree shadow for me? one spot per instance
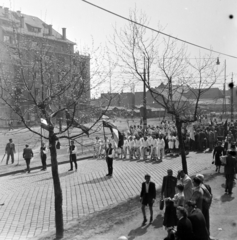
(226, 198)
(137, 232)
(158, 222)
(61, 175)
(24, 174)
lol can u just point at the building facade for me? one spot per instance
(29, 45)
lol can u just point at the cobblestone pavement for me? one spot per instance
(29, 198)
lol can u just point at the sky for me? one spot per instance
(202, 22)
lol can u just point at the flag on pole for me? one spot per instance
(114, 130)
(82, 127)
(104, 117)
(109, 125)
(44, 124)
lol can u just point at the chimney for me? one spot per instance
(50, 30)
(19, 12)
(6, 12)
(22, 22)
(64, 33)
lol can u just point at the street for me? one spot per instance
(29, 199)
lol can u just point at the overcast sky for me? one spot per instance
(203, 22)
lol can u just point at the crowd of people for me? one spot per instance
(187, 200)
(187, 204)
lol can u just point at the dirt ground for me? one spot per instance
(125, 219)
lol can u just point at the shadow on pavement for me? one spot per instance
(158, 222)
(137, 232)
(61, 175)
(96, 180)
(24, 174)
(226, 198)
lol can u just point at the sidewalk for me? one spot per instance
(19, 167)
(125, 219)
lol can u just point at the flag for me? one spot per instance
(104, 117)
(45, 125)
(82, 127)
(109, 125)
(114, 130)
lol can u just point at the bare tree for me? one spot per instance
(153, 59)
(38, 82)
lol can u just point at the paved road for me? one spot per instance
(29, 198)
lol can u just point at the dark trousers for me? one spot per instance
(110, 165)
(73, 159)
(205, 212)
(229, 182)
(12, 157)
(43, 160)
(211, 144)
(28, 164)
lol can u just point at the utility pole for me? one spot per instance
(144, 99)
(224, 100)
(232, 99)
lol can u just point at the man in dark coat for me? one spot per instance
(168, 185)
(27, 155)
(147, 197)
(211, 139)
(230, 169)
(184, 227)
(10, 150)
(206, 204)
(198, 221)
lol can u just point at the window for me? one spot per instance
(7, 38)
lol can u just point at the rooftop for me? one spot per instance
(29, 25)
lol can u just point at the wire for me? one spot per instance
(154, 30)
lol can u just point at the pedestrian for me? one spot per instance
(125, 148)
(10, 150)
(43, 156)
(217, 153)
(131, 144)
(198, 221)
(184, 227)
(73, 156)
(168, 192)
(187, 182)
(207, 200)
(109, 159)
(198, 193)
(168, 185)
(211, 139)
(160, 148)
(170, 218)
(27, 155)
(96, 147)
(147, 197)
(230, 169)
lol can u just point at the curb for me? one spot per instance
(48, 165)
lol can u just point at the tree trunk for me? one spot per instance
(57, 187)
(181, 145)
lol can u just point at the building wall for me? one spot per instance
(56, 45)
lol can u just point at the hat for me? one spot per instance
(200, 177)
(147, 175)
